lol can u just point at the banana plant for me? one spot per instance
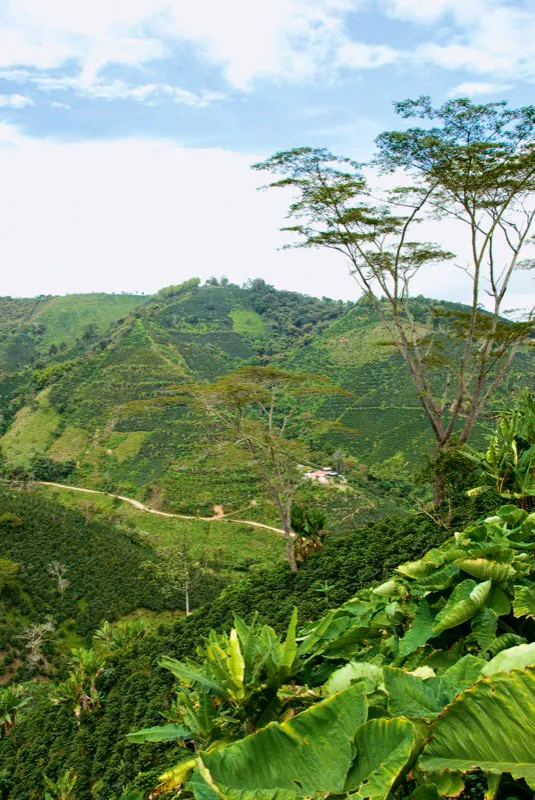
(235, 687)
(392, 694)
(79, 691)
(509, 462)
(12, 700)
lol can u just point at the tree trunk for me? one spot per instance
(187, 602)
(290, 550)
(439, 490)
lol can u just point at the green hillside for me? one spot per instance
(103, 405)
(30, 328)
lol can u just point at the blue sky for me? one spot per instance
(127, 126)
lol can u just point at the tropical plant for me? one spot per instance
(386, 694)
(234, 690)
(62, 788)
(12, 700)
(115, 637)
(308, 524)
(79, 690)
(509, 462)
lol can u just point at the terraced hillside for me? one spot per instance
(102, 407)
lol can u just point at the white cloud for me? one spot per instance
(366, 56)
(285, 39)
(140, 214)
(473, 89)
(485, 37)
(150, 93)
(429, 11)
(15, 101)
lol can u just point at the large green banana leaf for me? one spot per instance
(465, 601)
(485, 569)
(308, 754)
(524, 601)
(419, 632)
(159, 733)
(490, 726)
(523, 655)
(410, 696)
(384, 750)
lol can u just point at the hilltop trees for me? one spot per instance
(470, 165)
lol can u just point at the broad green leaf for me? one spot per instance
(440, 579)
(289, 648)
(236, 663)
(419, 632)
(345, 645)
(310, 753)
(388, 588)
(190, 674)
(419, 697)
(384, 750)
(221, 663)
(414, 697)
(203, 785)
(484, 569)
(493, 784)
(330, 627)
(465, 601)
(371, 674)
(464, 672)
(490, 726)
(524, 601)
(499, 602)
(511, 514)
(427, 791)
(484, 625)
(159, 733)
(424, 566)
(504, 642)
(177, 776)
(247, 639)
(523, 655)
(449, 784)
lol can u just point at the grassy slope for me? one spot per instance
(230, 549)
(29, 327)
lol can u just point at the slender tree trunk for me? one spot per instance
(290, 550)
(187, 601)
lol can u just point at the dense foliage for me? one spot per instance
(133, 691)
(101, 564)
(388, 691)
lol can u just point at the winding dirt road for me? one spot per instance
(141, 507)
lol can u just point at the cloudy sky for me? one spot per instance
(127, 127)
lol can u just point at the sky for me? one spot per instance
(127, 127)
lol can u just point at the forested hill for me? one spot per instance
(80, 394)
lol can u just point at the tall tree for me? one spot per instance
(178, 572)
(471, 164)
(259, 411)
